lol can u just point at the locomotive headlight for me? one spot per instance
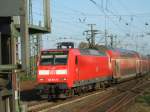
(41, 79)
(61, 72)
(63, 79)
(44, 72)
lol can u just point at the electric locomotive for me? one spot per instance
(68, 71)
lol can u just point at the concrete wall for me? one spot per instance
(0, 50)
(11, 7)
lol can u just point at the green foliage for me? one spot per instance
(27, 77)
(145, 98)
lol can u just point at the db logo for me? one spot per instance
(52, 79)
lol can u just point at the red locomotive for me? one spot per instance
(65, 72)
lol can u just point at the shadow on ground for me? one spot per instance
(30, 95)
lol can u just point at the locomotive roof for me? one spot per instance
(111, 51)
(56, 49)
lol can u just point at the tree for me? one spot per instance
(83, 45)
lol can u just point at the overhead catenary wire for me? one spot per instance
(134, 16)
(130, 12)
(121, 26)
(98, 6)
(113, 14)
(122, 18)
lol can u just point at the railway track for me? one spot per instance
(119, 102)
(95, 101)
(39, 106)
(129, 97)
(49, 106)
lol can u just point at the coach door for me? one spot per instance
(116, 68)
(137, 67)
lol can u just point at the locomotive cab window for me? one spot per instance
(54, 58)
(46, 60)
(60, 60)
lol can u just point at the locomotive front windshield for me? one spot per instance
(53, 58)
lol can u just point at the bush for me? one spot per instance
(145, 98)
(27, 77)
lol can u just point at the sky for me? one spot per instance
(129, 20)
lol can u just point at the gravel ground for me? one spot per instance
(27, 85)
